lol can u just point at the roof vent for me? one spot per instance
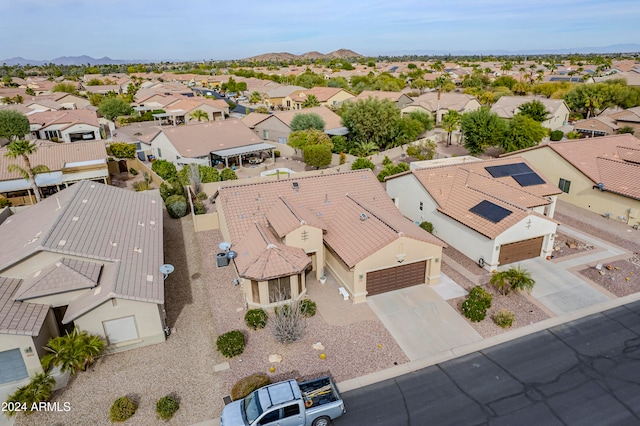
(363, 216)
(601, 186)
(295, 185)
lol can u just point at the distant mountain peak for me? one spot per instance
(285, 56)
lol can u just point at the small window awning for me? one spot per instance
(247, 149)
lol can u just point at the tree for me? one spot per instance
(311, 101)
(424, 118)
(391, 169)
(303, 138)
(255, 97)
(505, 81)
(450, 122)
(13, 124)
(122, 150)
(262, 109)
(199, 115)
(306, 122)
(363, 163)
(317, 155)
(422, 150)
(111, 108)
(228, 174)
(534, 109)
(522, 132)
(165, 169)
(371, 120)
(626, 129)
(363, 149)
(513, 279)
(23, 149)
(407, 130)
(482, 129)
(73, 351)
(65, 87)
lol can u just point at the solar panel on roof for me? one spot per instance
(508, 170)
(528, 179)
(491, 212)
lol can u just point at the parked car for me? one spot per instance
(289, 403)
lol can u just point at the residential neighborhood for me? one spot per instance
(180, 234)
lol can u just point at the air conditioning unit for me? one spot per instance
(607, 214)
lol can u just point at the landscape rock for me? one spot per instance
(275, 358)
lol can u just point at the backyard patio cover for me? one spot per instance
(247, 149)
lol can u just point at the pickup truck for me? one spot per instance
(288, 403)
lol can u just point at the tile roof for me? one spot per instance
(261, 256)
(379, 94)
(254, 118)
(336, 199)
(507, 106)
(458, 187)
(285, 217)
(71, 116)
(100, 224)
(19, 317)
(190, 104)
(452, 101)
(282, 91)
(197, 140)
(331, 119)
(55, 156)
(323, 94)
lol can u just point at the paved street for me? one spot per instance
(585, 372)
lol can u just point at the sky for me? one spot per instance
(215, 29)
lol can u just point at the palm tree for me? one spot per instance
(363, 149)
(450, 122)
(199, 115)
(311, 101)
(513, 279)
(22, 148)
(73, 351)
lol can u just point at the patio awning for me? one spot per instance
(14, 185)
(338, 131)
(247, 149)
(88, 175)
(48, 179)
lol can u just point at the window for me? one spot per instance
(273, 416)
(120, 330)
(291, 410)
(265, 134)
(564, 185)
(421, 205)
(159, 153)
(255, 291)
(51, 134)
(279, 289)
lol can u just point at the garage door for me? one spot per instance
(12, 366)
(396, 278)
(120, 330)
(521, 250)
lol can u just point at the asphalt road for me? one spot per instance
(585, 372)
(238, 109)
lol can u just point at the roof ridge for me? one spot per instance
(291, 208)
(397, 231)
(499, 199)
(504, 183)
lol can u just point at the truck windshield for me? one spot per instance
(252, 408)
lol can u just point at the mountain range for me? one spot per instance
(285, 56)
(72, 60)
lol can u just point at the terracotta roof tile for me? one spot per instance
(285, 217)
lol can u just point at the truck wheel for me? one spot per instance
(322, 421)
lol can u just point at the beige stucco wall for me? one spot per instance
(310, 240)
(274, 127)
(581, 192)
(338, 98)
(30, 356)
(148, 320)
(80, 128)
(558, 119)
(339, 270)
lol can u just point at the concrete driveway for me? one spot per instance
(421, 321)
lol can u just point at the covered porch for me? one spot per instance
(243, 156)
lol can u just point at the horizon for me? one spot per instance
(142, 30)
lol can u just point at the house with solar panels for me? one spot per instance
(495, 212)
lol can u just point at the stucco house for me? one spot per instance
(627, 118)
(88, 257)
(508, 106)
(289, 233)
(225, 143)
(495, 212)
(276, 127)
(67, 163)
(327, 96)
(400, 99)
(430, 103)
(601, 125)
(179, 111)
(597, 174)
(65, 125)
(273, 97)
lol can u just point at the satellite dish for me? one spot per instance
(224, 246)
(166, 269)
(232, 255)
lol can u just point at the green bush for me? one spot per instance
(504, 318)
(38, 390)
(176, 206)
(141, 186)
(199, 208)
(231, 344)
(255, 318)
(362, 163)
(307, 307)
(4, 203)
(427, 226)
(166, 407)
(246, 385)
(276, 153)
(123, 150)
(474, 310)
(122, 409)
(133, 171)
(557, 135)
(173, 187)
(201, 196)
(387, 161)
(228, 174)
(343, 158)
(482, 295)
(164, 169)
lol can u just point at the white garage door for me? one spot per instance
(121, 330)
(12, 366)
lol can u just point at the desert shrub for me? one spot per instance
(387, 161)
(557, 135)
(123, 150)
(427, 226)
(343, 158)
(199, 208)
(201, 196)
(4, 203)
(228, 174)
(141, 186)
(573, 135)
(122, 409)
(166, 407)
(479, 293)
(172, 187)
(246, 385)
(362, 163)
(504, 318)
(308, 307)
(255, 318)
(38, 390)
(231, 343)
(176, 206)
(276, 153)
(164, 169)
(133, 171)
(512, 279)
(288, 323)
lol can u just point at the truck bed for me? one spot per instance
(319, 392)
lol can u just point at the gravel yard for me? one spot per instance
(621, 277)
